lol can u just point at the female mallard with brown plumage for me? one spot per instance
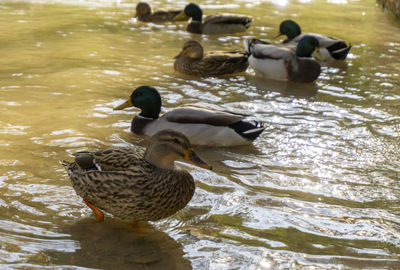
(214, 24)
(193, 61)
(145, 13)
(136, 184)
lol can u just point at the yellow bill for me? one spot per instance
(124, 105)
(278, 35)
(180, 16)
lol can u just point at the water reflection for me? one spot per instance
(318, 189)
(287, 89)
(113, 245)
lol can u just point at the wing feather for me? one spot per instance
(271, 51)
(226, 18)
(112, 159)
(202, 116)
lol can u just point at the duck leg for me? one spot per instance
(99, 215)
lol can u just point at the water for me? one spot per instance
(319, 189)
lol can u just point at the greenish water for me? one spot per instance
(318, 190)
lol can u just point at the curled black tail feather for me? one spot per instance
(248, 130)
(249, 44)
(339, 50)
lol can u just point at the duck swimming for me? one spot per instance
(202, 126)
(145, 13)
(330, 48)
(285, 62)
(213, 24)
(193, 61)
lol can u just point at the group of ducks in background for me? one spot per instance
(292, 60)
(140, 184)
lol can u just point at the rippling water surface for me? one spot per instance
(320, 187)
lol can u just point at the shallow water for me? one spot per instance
(320, 187)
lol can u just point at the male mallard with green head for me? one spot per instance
(330, 48)
(193, 61)
(136, 184)
(214, 24)
(279, 62)
(202, 126)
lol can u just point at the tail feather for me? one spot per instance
(248, 130)
(249, 44)
(65, 163)
(339, 50)
(246, 45)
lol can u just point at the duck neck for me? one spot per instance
(157, 156)
(150, 106)
(151, 112)
(198, 15)
(291, 30)
(195, 27)
(139, 124)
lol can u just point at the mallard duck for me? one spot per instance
(200, 125)
(193, 61)
(330, 48)
(144, 13)
(135, 183)
(214, 24)
(282, 62)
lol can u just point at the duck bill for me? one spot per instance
(318, 55)
(124, 105)
(178, 55)
(180, 16)
(278, 35)
(136, 15)
(193, 158)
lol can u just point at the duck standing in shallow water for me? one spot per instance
(136, 184)
(214, 24)
(330, 48)
(281, 62)
(193, 61)
(201, 126)
(145, 13)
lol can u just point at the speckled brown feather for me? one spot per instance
(145, 13)
(220, 24)
(226, 18)
(127, 186)
(160, 16)
(211, 63)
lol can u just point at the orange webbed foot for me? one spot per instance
(99, 215)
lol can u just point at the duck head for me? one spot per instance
(191, 10)
(167, 146)
(142, 8)
(289, 28)
(147, 99)
(307, 45)
(191, 49)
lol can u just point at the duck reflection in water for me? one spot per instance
(285, 88)
(110, 245)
